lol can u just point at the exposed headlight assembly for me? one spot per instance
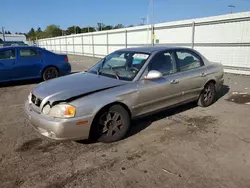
(59, 111)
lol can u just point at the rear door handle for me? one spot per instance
(174, 81)
(203, 74)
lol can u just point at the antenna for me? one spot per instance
(231, 8)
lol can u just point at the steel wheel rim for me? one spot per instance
(111, 123)
(208, 94)
(50, 73)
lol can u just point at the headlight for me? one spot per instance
(60, 111)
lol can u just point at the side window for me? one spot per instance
(29, 53)
(164, 63)
(7, 54)
(188, 60)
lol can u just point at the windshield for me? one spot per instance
(120, 65)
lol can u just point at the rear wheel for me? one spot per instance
(50, 73)
(112, 124)
(207, 95)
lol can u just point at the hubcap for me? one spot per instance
(50, 73)
(208, 94)
(111, 123)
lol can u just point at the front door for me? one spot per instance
(7, 62)
(29, 63)
(162, 92)
(193, 74)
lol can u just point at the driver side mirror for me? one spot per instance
(153, 74)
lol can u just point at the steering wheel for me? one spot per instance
(134, 68)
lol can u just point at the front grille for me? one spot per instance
(35, 100)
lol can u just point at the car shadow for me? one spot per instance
(222, 92)
(142, 123)
(19, 83)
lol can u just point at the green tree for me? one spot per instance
(39, 33)
(52, 31)
(118, 26)
(88, 29)
(107, 27)
(31, 34)
(100, 26)
(73, 30)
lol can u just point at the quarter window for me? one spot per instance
(28, 53)
(7, 54)
(164, 63)
(187, 60)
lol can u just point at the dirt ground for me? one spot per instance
(188, 146)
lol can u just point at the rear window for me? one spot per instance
(29, 52)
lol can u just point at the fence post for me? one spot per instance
(66, 45)
(153, 34)
(73, 43)
(193, 33)
(126, 38)
(93, 47)
(60, 45)
(82, 46)
(107, 43)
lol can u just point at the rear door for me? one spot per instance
(7, 62)
(159, 93)
(29, 63)
(193, 74)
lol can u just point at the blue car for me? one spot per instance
(31, 62)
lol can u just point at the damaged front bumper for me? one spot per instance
(57, 128)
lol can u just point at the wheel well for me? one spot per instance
(114, 103)
(48, 67)
(210, 81)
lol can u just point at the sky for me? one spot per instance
(21, 15)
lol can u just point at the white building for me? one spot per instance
(13, 37)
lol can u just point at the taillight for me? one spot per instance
(66, 59)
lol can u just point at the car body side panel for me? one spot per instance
(157, 94)
(192, 83)
(27, 67)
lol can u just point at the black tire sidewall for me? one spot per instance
(201, 101)
(43, 74)
(126, 120)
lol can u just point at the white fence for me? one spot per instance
(224, 39)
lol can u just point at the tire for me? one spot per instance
(50, 73)
(111, 124)
(207, 96)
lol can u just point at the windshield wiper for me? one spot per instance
(116, 73)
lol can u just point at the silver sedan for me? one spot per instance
(128, 83)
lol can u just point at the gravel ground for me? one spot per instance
(187, 146)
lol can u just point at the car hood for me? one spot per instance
(73, 86)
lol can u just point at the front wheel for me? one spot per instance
(112, 124)
(207, 95)
(50, 73)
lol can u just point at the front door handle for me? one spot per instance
(174, 81)
(203, 74)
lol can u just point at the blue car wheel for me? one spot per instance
(50, 73)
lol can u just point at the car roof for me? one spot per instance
(152, 49)
(15, 47)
